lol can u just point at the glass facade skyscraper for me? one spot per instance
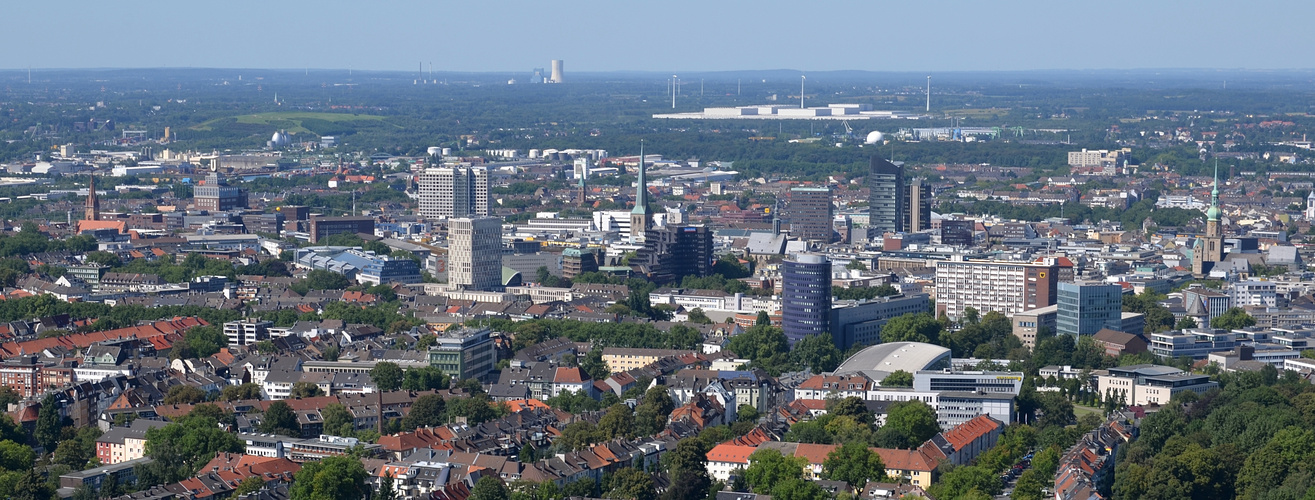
(806, 296)
(1083, 309)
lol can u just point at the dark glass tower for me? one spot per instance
(806, 296)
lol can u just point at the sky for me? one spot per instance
(669, 36)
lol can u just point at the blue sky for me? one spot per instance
(675, 35)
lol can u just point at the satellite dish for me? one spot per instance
(874, 137)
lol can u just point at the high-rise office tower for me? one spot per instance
(1083, 309)
(674, 252)
(806, 296)
(1007, 287)
(915, 214)
(886, 196)
(475, 253)
(810, 213)
(449, 192)
(215, 194)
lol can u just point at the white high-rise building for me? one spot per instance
(475, 253)
(449, 192)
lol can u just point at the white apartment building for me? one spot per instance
(454, 192)
(247, 331)
(1007, 287)
(1254, 293)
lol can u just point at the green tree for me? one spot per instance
(919, 327)
(1055, 409)
(48, 423)
(768, 467)
(1186, 323)
(1235, 318)
(817, 352)
(852, 407)
(696, 315)
(763, 319)
(240, 392)
(386, 491)
(914, 419)
(337, 420)
(332, 478)
(182, 447)
(632, 484)
(184, 394)
(249, 485)
(427, 411)
(489, 488)
(387, 376)
(619, 421)
(280, 419)
(855, 464)
(305, 390)
(594, 365)
(898, 378)
(798, 489)
(963, 480)
(425, 379)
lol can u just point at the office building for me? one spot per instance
(215, 194)
(806, 296)
(1195, 343)
(957, 232)
(1204, 304)
(247, 331)
(475, 253)
(1086, 308)
(450, 192)
(463, 353)
(986, 382)
(1150, 384)
(1028, 324)
(956, 408)
(915, 211)
(810, 213)
(271, 223)
(323, 227)
(860, 321)
(886, 196)
(1007, 287)
(1254, 293)
(365, 267)
(576, 261)
(674, 252)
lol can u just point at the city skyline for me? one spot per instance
(682, 36)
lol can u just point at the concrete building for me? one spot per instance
(1086, 308)
(956, 232)
(363, 266)
(1007, 287)
(916, 209)
(1196, 343)
(810, 213)
(806, 296)
(449, 192)
(968, 381)
(1254, 293)
(216, 195)
(956, 408)
(1028, 324)
(673, 252)
(475, 253)
(464, 353)
(886, 196)
(1203, 302)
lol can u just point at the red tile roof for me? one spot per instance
(731, 453)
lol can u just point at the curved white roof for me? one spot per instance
(882, 359)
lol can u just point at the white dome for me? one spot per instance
(874, 137)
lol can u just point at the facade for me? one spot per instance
(1196, 343)
(1211, 302)
(576, 261)
(860, 322)
(806, 296)
(673, 252)
(215, 194)
(464, 353)
(323, 227)
(956, 232)
(916, 209)
(1254, 293)
(1007, 287)
(475, 253)
(957, 408)
(23, 375)
(363, 266)
(968, 381)
(247, 331)
(810, 213)
(1084, 309)
(454, 192)
(1028, 323)
(886, 196)
(620, 359)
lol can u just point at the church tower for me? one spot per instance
(581, 190)
(1210, 248)
(93, 203)
(640, 219)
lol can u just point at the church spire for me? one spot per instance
(641, 188)
(93, 202)
(1212, 214)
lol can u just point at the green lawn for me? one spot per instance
(1079, 410)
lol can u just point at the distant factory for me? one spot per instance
(787, 112)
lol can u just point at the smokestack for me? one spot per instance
(557, 74)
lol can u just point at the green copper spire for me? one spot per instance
(1212, 214)
(641, 191)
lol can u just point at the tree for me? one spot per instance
(31, 486)
(962, 480)
(763, 319)
(798, 489)
(320, 279)
(696, 315)
(337, 420)
(266, 347)
(240, 392)
(48, 423)
(898, 378)
(182, 447)
(852, 407)
(1185, 323)
(855, 464)
(1055, 410)
(489, 488)
(912, 327)
(249, 485)
(768, 467)
(305, 390)
(279, 419)
(332, 478)
(387, 376)
(594, 365)
(619, 421)
(914, 419)
(1235, 318)
(386, 491)
(184, 394)
(427, 411)
(632, 484)
(425, 378)
(817, 352)
(578, 436)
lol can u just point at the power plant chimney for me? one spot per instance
(557, 74)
